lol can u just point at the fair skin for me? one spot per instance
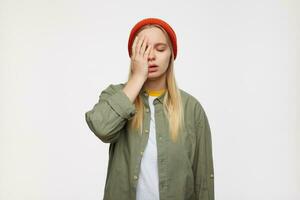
(150, 47)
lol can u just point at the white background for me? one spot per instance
(239, 58)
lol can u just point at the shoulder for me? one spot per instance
(114, 86)
(111, 89)
(189, 99)
(192, 106)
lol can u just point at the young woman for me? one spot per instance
(159, 135)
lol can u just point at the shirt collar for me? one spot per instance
(145, 95)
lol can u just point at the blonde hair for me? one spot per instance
(172, 100)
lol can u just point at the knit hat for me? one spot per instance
(160, 22)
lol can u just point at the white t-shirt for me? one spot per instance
(147, 187)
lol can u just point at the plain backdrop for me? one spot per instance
(239, 58)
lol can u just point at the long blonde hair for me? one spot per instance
(172, 100)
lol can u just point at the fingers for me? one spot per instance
(147, 52)
(133, 47)
(143, 47)
(139, 46)
(139, 43)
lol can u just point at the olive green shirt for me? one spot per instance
(185, 168)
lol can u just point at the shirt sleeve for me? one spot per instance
(108, 117)
(203, 162)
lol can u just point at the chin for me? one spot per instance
(154, 75)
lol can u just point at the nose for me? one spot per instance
(151, 55)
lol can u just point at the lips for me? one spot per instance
(152, 68)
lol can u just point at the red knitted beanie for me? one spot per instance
(160, 22)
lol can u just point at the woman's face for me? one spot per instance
(160, 53)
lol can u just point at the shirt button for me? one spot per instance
(135, 177)
(142, 152)
(147, 109)
(146, 131)
(160, 137)
(211, 176)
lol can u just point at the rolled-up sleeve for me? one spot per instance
(109, 116)
(120, 103)
(203, 162)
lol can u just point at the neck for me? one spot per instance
(155, 84)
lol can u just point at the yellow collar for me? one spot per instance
(155, 93)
